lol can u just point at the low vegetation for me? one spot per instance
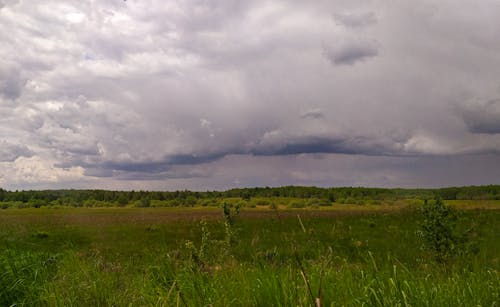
(300, 254)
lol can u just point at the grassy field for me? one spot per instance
(344, 255)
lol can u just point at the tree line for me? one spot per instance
(186, 197)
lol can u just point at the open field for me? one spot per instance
(344, 255)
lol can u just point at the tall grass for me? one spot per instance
(23, 276)
(275, 260)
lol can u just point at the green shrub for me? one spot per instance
(21, 205)
(360, 202)
(438, 230)
(174, 203)
(297, 204)
(144, 202)
(41, 234)
(350, 201)
(316, 202)
(325, 203)
(122, 200)
(262, 202)
(190, 201)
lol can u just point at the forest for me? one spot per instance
(326, 196)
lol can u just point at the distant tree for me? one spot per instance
(190, 201)
(122, 200)
(331, 196)
(246, 196)
(145, 202)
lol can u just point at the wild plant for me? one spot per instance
(199, 256)
(211, 249)
(229, 231)
(439, 231)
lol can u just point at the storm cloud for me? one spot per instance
(204, 95)
(483, 117)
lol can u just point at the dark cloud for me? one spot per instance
(143, 168)
(352, 52)
(11, 83)
(482, 118)
(275, 146)
(99, 172)
(10, 152)
(175, 173)
(313, 113)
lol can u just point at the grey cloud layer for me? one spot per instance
(99, 92)
(483, 118)
(10, 152)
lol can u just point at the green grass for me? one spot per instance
(345, 255)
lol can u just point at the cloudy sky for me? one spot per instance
(200, 94)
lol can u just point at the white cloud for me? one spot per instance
(35, 170)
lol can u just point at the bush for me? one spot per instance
(190, 201)
(41, 234)
(360, 202)
(350, 201)
(438, 230)
(325, 203)
(375, 202)
(316, 202)
(21, 205)
(297, 204)
(122, 200)
(174, 203)
(144, 202)
(262, 202)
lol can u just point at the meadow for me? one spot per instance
(340, 255)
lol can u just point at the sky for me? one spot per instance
(203, 95)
